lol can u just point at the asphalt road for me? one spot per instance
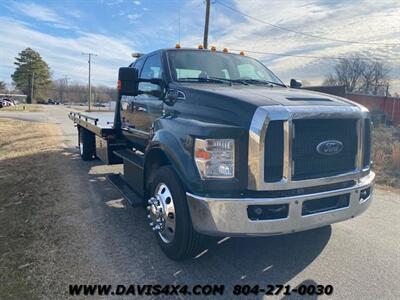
(104, 241)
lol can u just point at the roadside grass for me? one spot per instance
(21, 138)
(26, 186)
(23, 108)
(386, 155)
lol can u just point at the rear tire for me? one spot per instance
(186, 242)
(87, 144)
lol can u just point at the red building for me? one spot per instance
(389, 107)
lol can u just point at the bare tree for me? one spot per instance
(3, 86)
(77, 93)
(379, 81)
(60, 89)
(358, 74)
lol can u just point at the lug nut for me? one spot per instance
(148, 207)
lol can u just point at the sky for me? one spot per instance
(113, 29)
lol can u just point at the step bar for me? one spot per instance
(127, 192)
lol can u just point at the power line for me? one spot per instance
(291, 55)
(299, 32)
(301, 56)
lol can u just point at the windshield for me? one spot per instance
(197, 65)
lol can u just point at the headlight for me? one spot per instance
(215, 158)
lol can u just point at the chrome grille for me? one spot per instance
(308, 163)
(345, 123)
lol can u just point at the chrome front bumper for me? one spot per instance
(229, 217)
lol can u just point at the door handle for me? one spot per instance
(128, 128)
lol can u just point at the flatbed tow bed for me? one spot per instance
(101, 124)
(97, 129)
(98, 137)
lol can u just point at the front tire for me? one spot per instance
(176, 237)
(87, 144)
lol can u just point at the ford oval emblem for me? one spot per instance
(330, 147)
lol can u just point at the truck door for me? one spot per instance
(127, 105)
(148, 103)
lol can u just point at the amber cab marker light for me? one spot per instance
(241, 53)
(200, 47)
(177, 46)
(136, 54)
(213, 48)
(201, 153)
(225, 50)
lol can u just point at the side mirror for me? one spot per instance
(171, 97)
(157, 81)
(295, 84)
(128, 81)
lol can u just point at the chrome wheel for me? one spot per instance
(162, 213)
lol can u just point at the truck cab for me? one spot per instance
(216, 144)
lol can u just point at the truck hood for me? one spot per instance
(235, 105)
(264, 96)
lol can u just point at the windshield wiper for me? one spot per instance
(202, 79)
(257, 81)
(214, 80)
(232, 80)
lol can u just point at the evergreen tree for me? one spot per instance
(32, 75)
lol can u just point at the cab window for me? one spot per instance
(138, 65)
(248, 71)
(151, 70)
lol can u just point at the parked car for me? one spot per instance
(7, 102)
(53, 102)
(99, 105)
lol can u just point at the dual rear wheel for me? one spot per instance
(170, 218)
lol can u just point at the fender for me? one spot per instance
(178, 154)
(174, 137)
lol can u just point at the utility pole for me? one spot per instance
(393, 108)
(32, 81)
(90, 86)
(205, 40)
(66, 89)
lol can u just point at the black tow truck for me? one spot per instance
(213, 143)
